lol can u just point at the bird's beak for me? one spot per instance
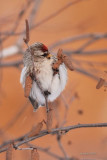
(49, 56)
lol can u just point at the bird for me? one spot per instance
(47, 82)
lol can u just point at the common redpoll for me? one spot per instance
(49, 82)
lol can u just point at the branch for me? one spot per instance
(54, 131)
(12, 50)
(89, 42)
(77, 38)
(66, 129)
(45, 19)
(7, 34)
(61, 147)
(77, 69)
(99, 51)
(11, 64)
(84, 72)
(45, 150)
(56, 13)
(34, 11)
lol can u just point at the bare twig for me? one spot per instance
(11, 64)
(54, 131)
(66, 108)
(16, 49)
(34, 12)
(85, 72)
(77, 38)
(90, 63)
(90, 52)
(32, 15)
(45, 19)
(66, 129)
(62, 148)
(17, 22)
(89, 42)
(7, 34)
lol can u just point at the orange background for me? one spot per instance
(84, 17)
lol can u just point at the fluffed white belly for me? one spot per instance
(54, 84)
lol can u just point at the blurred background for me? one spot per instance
(79, 27)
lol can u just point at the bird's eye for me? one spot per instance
(45, 54)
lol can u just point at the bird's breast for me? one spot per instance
(44, 74)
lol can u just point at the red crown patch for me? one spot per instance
(45, 48)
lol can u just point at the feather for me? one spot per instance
(34, 103)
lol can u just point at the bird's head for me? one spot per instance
(40, 51)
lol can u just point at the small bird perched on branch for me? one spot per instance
(44, 76)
